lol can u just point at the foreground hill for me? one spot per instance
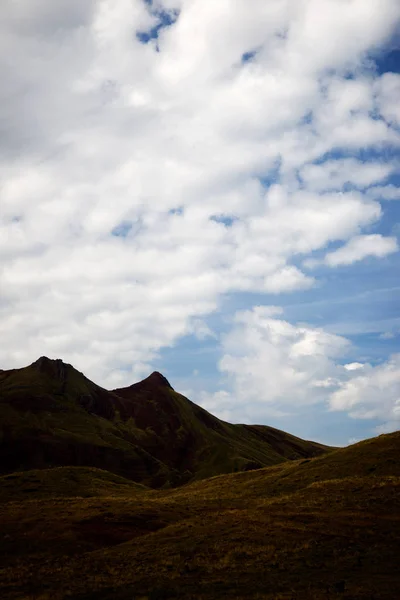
(52, 415)
(311, 529)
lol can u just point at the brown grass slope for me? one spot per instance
(65, 482)
(52, 415)
(325, 528)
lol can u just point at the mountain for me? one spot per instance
(52, 415)
(325, 528)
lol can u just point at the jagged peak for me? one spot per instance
(45, 360)
(53, 366)
(158, 379)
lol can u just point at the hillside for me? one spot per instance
(52, 415)
(310, 529)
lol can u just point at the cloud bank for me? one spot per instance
(156, 157)
(275, 368)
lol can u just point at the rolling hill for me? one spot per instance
(52, 415)
(309, 529)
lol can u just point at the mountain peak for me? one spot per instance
(45, 360)
(146, 431)
(152, 383)
(51, 366)
(157, 379)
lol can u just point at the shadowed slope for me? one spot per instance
(325, 528)
(190, 439)
(52, 415)
(376, 456)
(68, 482)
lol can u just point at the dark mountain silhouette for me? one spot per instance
(52, 415)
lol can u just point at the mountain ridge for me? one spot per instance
(53, 415)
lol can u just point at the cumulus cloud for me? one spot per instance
(387, 89)
(126, 128)
(356, 249)
(373, 394)
(360, 247)
(384, 192)
(277, 368)
(355, 366)
(335, 174)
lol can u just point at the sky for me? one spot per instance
(210, 190)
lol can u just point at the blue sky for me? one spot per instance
(360, 301)
(211, 192)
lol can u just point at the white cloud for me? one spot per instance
(356, 249)
(374, 394)
(201, 330)
(276, 368)
(334, 174)
(360, 247)
(355, 366)
(99, 130)
(387, 90)
(384, 192)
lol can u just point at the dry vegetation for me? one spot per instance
(321, 528)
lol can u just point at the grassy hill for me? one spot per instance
(316, 529)
(65, 482)
(52, 415)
